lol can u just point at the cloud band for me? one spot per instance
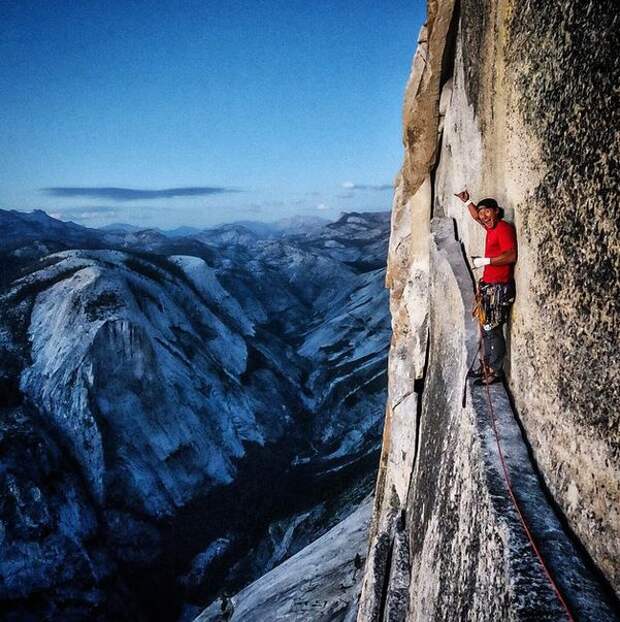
(129, 194)
(349, 185)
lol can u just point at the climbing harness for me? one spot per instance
(491, 306)
(492, 303)
(512, 495)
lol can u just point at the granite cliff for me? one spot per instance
(514, 100)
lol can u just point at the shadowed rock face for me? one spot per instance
(190, 423)
(569, 359)
(514, 100)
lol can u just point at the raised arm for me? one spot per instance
(471, 206)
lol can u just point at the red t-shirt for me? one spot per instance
(500, 239)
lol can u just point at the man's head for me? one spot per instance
(488, 212)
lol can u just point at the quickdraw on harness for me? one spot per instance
(492, 303)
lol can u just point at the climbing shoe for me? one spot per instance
(490, 378)
(476, 373)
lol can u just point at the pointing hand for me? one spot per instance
(463, 195)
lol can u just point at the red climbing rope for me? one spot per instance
(512, 496)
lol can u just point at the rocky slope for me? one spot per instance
(194, 415)
(514, 100)
(320, 583)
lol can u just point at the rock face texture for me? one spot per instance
(514, 100)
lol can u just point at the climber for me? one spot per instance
(496, 290)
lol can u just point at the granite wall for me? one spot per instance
(515, 100)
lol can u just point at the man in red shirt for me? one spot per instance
(496, 289)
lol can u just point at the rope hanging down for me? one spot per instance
(514, 499)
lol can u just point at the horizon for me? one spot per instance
(199, 114)
(240, 221)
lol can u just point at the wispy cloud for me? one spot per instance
(131, 194)
(322, 206)
(349, 185)
(253, 208)
(91, 209)
(88, 212)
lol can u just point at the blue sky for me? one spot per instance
(200, 112)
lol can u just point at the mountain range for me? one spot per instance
(181, 414)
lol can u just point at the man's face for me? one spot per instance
(488, 216)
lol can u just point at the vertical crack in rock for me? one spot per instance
(387, 575)
(396, 605)
(419, 389)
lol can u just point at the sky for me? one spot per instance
(163, 113)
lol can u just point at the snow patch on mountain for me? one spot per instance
(122, 346)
